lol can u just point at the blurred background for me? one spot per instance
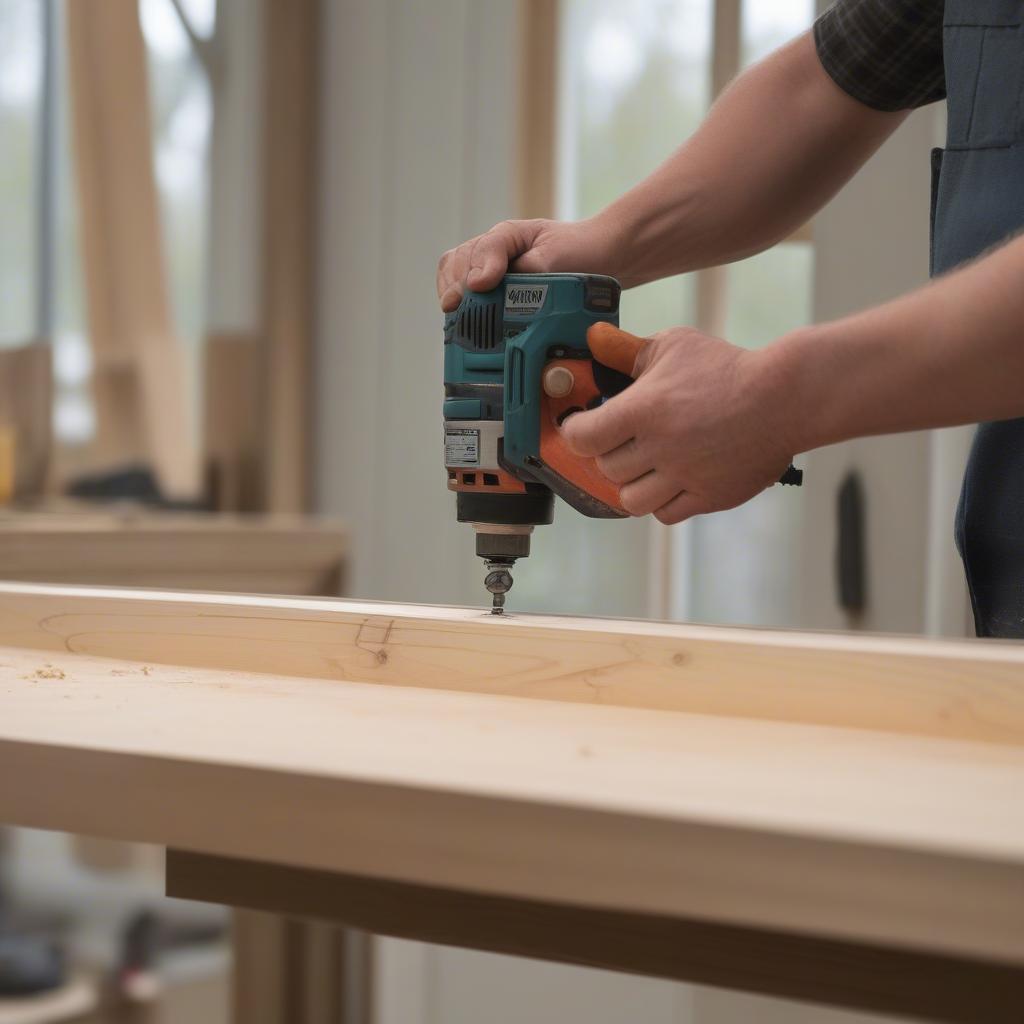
(220, 368)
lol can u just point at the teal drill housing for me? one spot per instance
(496, 347)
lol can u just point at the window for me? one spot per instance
(21, 94)
(40, 291)
(635, 80)
(737, 566)
(182, 121)
(41, 280)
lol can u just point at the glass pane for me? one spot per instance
(20, 88)
(69, 296)
(634, 85)
(767, 24)
(770, 294)
(182, 119)
(74, 413)
(742, 560)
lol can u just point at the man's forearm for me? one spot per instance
(779, 142)
(950, 353)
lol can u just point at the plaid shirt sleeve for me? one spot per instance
(885, 53)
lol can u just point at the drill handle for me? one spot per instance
(619, 350)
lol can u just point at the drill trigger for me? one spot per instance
(610, 382)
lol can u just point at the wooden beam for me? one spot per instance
(892, 981)
(711, 283)
(233, 423)
(538, 107)
(860, 790)
(138, 376)
(252, 554)
(946, 689)
(726, 45)
(26, 414)
(291, 971)
(292, 85)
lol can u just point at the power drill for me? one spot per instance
(516, 364)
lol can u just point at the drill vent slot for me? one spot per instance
(480, 326)
(517, 371)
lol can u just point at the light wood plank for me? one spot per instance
(952, 689)
(291, 32)
(233, 462)
(320, 735)
(862, 977)
(538, 107)
(254, 554)
(26, 414)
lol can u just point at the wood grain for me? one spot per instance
(407, 743)
(291, 32)
(26, 404)
(233, 454)
(538, 107)
(896, 981)
(272, 554)
(968, 690)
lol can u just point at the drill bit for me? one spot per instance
(498, 582)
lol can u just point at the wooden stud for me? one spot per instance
(292, 39)
(138, 376)
(538, 108)
(233, 423)
(894, 981)
(265, 554)
(26, 404)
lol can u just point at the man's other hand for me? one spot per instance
(524, 247)
(705, 427)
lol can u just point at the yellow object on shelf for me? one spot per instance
(6, 464)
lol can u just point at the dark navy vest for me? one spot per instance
(978, 202)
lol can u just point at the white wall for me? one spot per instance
(419, 123)
(872, 245)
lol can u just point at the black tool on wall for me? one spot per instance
(851, 552)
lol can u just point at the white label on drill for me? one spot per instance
(524, 299)
(461, 447)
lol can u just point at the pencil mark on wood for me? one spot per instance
(374, 636)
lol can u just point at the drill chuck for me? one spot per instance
(524, 508)
(493, 546)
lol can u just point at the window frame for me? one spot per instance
(670, 548)
(46, 174)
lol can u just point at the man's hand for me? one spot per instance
(705, 426)
(525, 247)
(709, 203)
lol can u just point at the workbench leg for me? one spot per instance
(291, 971)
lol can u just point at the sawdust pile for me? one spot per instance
(47, 672)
